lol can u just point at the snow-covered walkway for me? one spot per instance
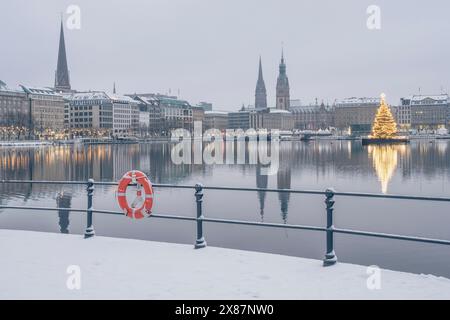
(34, 265)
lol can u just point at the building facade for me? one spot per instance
(282, 90)
(356, 115)
(125, 115)
(206, 106)
(277, 119)
(93, 110)
(312, 117)
(14, 107)
(198, 115)
(149, 114)
(216, 120)
(428, 112)
(47, 109)
(241, 119)
(260, 91)
(98, 110)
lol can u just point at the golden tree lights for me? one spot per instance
(384, 126)
(384, 161)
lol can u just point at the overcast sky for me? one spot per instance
(209, 49)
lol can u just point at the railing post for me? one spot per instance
(200, 242)
(330, 256)
(90, 232)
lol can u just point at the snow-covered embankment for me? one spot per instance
(35, 265)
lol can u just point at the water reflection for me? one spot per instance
(421, 168)
(343, 164)
(385, 160)
(63, 200)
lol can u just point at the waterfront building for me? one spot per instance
(403, 114)
(14, 107)
(198, 114)
(149, 114)
(282, 89)
(313, 116)
(427, 112)
(47, 109)
(260, 91)
(125, 115)
(173, 113)
(106, 112)
(356, 115)
(244, 119)
(277, 119)
(93, 109)
(216, 120)
(206, 106)
(176, 114)
(62, 79)
(239, 120)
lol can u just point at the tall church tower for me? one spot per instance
(62, 82)
(282, 87)
(260, 92)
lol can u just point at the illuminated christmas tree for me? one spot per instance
(384, 126)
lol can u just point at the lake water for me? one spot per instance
(421, 168)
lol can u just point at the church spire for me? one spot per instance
(260, 91)
(62, 82)
(283, 97)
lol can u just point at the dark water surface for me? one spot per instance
(422, 168)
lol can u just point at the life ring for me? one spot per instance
(141, 206)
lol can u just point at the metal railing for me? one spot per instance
(200, 219)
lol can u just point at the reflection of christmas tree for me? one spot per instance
(384, 160)
(384, 126)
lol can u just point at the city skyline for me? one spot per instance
(204, 74)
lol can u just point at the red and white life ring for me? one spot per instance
(142, 205)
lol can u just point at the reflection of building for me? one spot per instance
(63, 200)
(356, 114)
(284, 178)
(261, 182)
(47, 108)
(425, 112)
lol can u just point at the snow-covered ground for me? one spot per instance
(35, 265)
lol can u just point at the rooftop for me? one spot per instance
(216, 112)
(40, 90)
(357, 101)
(434, 99)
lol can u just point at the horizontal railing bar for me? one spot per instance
(42, 208)
(265, 224)
(390, 196)
(390, 236)
(315, 192)
(250, 223)
(153, 215)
